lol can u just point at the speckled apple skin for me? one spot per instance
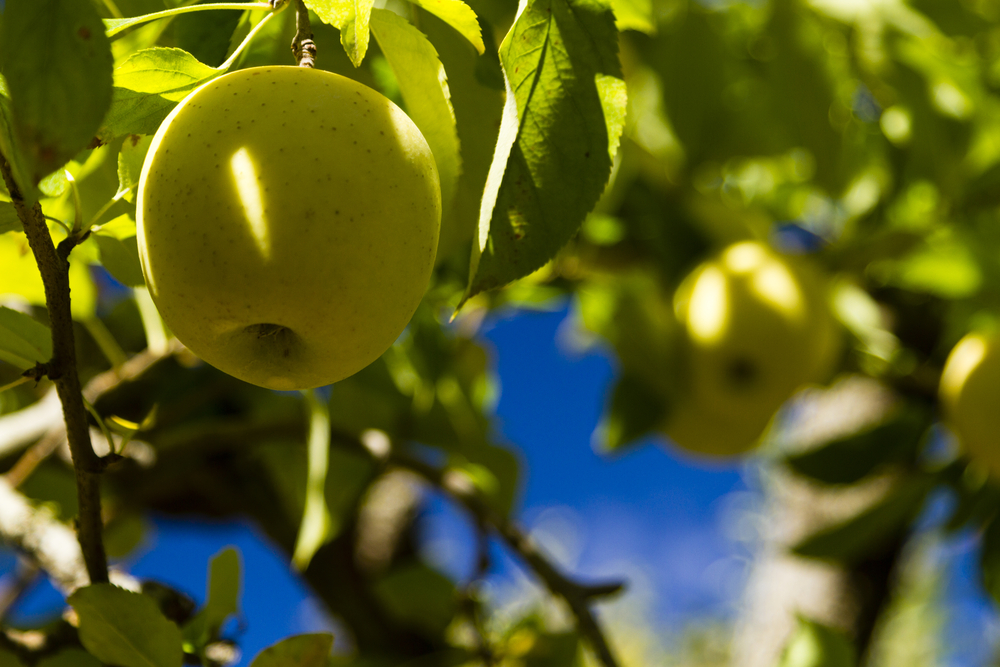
(349, 212)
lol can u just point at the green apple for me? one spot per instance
(756, 327)
(288, 221)
(969, 392)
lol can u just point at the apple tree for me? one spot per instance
(779, 215)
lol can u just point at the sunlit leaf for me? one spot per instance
(148, 85)
(352, 18)
(564, 114)
(424, 87)
(8, 218)
(459, 16)
(816, 645)
(24, 341)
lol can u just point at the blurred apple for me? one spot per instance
(969, 391)
(288, 220)
(756, 327)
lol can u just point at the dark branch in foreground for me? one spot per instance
(577, 596)
(62, 370)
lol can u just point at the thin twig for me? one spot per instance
(62, 370)
(303, 45)
(577, 596)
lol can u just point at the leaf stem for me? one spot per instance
(116, 26)
(62, 370)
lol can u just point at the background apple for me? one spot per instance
(970, 386)
(756, 327)
(288, 220)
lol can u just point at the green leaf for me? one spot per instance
(459, 16)
(351, 17)
(130, 160)
(8, 659)
(126, 629)
(418, 596)
(121, 258)
(9, 222)
(424, 87)
(850, 459)
(311, 650)
(817, 645)
(24, 341)
(478, 110)
(637, 408)
(563, 118)
(870, 532)
(224, 583)
(8, 144)
(222, 599)
(57, 62)
(19, 275)
(71, 657)
(635, 15)
(148, 85)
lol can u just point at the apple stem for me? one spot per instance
(303, 45)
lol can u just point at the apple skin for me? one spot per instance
(756, 327)
(288, 220)
(969, 393)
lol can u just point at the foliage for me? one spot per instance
(591, 151)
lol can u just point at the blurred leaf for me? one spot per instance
(636, 409)
(124, 628)
(19, 276)
(222, 599)
(57, 62)
(71, 657)
(418, 596)
(24, 341)
(848, 460)
(871, 531)
(8, 659)
(123, 533)
(564, 115)
(816, 645)
(424, 87)
(311, 650)
(9, 222)
(121, 258)
(224, 584)
(635, 15)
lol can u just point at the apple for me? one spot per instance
(288, 220)
(969, 391)
(756, 326)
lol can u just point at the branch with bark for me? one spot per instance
(53, 264)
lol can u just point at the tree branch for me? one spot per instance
(577, 596)
(62, 370)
